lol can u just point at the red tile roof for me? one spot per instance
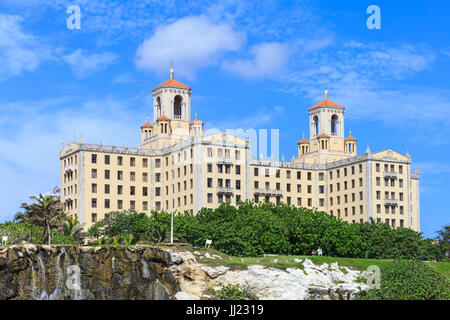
(326, 103)
(147, 125)
(323, 135)
(163, 117)
(303, 141)
(351, 138)
(172, 83)
(196, 119)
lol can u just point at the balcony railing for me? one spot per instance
(68, 197)
(225, 190)
(390, 175)
(225, 160)
(391, 202)
(176, 116)
(268, 191)
(68, 168)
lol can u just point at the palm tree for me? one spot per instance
(73, 228)
(45, 212)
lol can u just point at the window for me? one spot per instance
(132, 191)
(94, 217)
(106, 203)
(238, 169)
(107, 174)
(309, 176)
(321, 176)
(144, 191)
(119, 204)
(209, 182)
(93, 158)
(107, 159)
(94, 173)
(157, 191)
(209, 152)
(267, 173)
(210, 197)
(119, 160)
(238, 184)
(145, 163)
(144, 205)
(119, 175)
(119, 189)
(107, 188)
(158, 163)
(94, 202)
(132, 204)
(377, 167)
(299, 175)
(132, 176)
(144, 177)
(94, 188)
(255, 172)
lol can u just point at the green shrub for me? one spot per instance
(411, 280)
(231, 292)
(253, 229)
(20, 231)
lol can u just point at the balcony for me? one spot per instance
(177, 116)
(68, 197)
(225, 160)
(269, 192)
(225, 190)
(391, 202)
(68, 168)
(390, 175)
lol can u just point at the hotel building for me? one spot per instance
(177, 168)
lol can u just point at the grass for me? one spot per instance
(284, 262)
(441, 267)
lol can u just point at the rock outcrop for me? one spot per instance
(153, 272)
(72, 272)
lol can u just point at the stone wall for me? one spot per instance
(73, 272)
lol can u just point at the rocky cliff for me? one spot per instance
(153, 272)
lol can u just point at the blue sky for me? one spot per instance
(258, 64)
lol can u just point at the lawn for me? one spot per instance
(283, 262)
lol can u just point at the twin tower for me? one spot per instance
(172, 124)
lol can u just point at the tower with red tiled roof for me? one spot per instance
(327, 141)
(172, 99)
(326, 117)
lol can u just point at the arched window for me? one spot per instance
(158, 107)
(316, 125)
(177, 107)
(334, 120)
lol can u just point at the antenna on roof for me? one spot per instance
(326, 90)
(171, 69)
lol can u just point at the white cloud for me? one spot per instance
(19, 52)
(124, 78)
(85, 64)
(191, 42)
(268, 59)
